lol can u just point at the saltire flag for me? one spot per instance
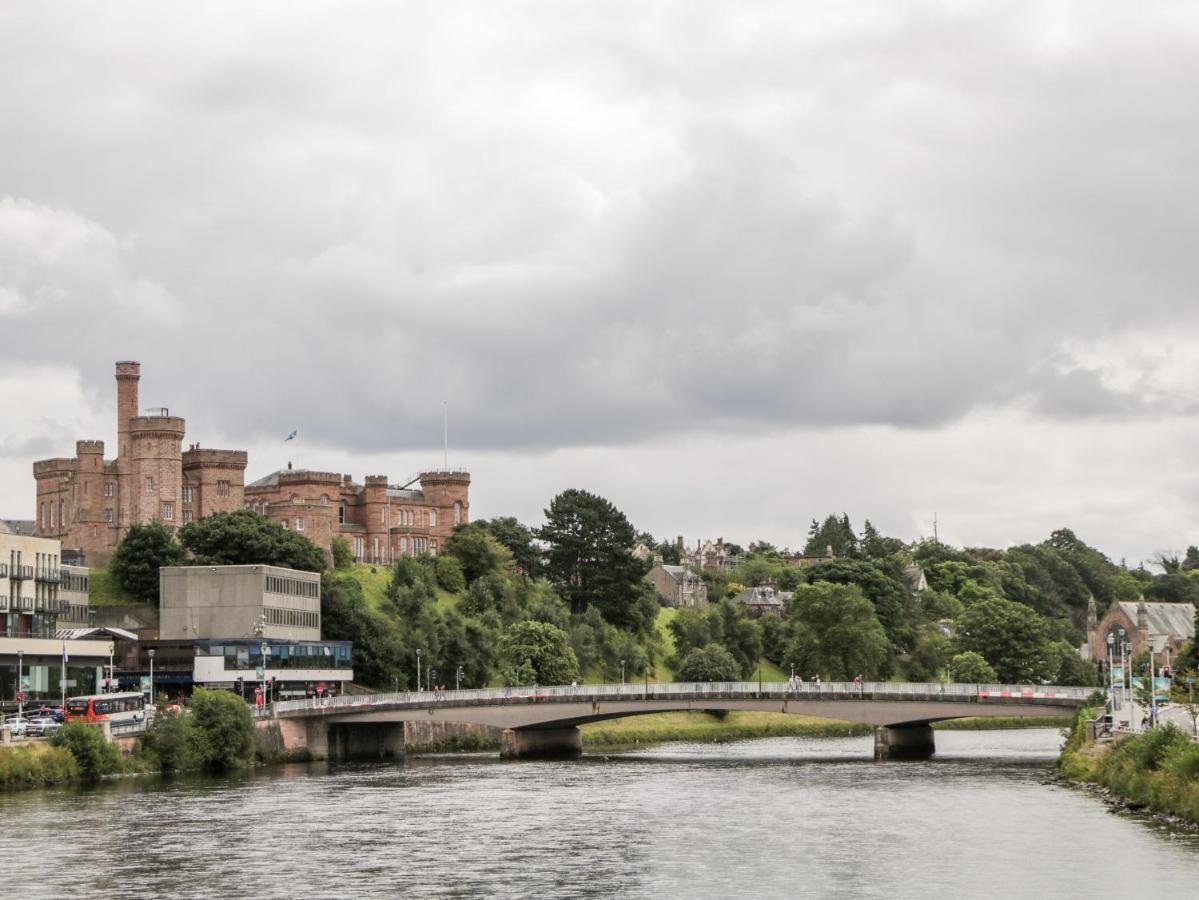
(291, 437)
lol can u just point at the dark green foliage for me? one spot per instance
(476, 549)
(710, 663)
(930, 655)
(1067, 667)
(971, 668)
(1190, 562)
(449, 574)
(243, 537)
(884, 584)
(222, 729)
(537, 653)
(170, 741)
(833, 532)
(875, 546)
(378, 652)
(724, 623)
(590, 559)
(834, 632)
(342, 552)
(94, 754)
(413, 585)
(139, 555)
(1173, 588)
(1009, 636)
(22, 767)
(519, 541)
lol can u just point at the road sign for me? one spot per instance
(24, 683)
(259, 673)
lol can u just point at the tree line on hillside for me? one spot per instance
(567, 600)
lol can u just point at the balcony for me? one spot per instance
(48, 576)
(20, 573)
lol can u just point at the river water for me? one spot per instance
(786, 817)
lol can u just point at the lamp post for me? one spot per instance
(151, 676)
(266, 652)
(418, 671)
(458, 679)
(20, 684)
(622, 671)
(432, 675)
(1111, 683)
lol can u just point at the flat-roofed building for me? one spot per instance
(219, 602)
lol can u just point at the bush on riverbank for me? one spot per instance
(222, 730)
(1158, 769)
(93, 753)
(35, 766)
(737, 726)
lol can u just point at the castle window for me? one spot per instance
(283, 522)
(149, 484)
(187, 494)
(432, 518)
(222, 489)
(457, 513)
(187, 516)
(383, 515)
(62, 514)
(265, 506)
(341, 514)
(51, 514)
(324, 499)
(168, 512)
(299, 523)
(108, 515)
(108, 489)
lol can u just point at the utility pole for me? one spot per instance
(936, 539)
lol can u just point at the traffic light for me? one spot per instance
(241, 686)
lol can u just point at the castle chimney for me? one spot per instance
(128, 375)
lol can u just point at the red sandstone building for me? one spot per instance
(87, 501)
(381, 521)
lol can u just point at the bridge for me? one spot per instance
(543, 721)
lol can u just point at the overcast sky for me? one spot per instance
(733, 266)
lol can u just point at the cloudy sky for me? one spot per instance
(731, 265)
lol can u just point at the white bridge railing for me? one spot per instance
(882, 690)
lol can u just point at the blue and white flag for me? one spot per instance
(291, 437)
(65, 658)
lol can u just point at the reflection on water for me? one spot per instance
(781, 817)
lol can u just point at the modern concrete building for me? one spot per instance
(42, 602)
(234, 627)
(218, 602)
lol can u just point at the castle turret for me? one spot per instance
(128, 375)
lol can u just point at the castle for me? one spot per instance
(88, 502)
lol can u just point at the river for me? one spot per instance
(785, 817)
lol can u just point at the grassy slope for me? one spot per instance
(374, 585)
(103, 590)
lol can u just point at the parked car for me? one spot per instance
(40, 726)
(16, 726)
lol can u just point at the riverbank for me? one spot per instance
(737, 725)
(35, 765)
(1156, 771)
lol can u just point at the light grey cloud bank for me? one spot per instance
(620, 231)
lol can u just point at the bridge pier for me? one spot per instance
(904, 741)
(370, 740)
(540, 743)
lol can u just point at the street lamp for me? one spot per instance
(151, 676)
(20, 684)
(458, 679)
(418, 671)
(266, 654)
(1111, 680)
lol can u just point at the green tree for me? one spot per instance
(449, 574)
(929, 656)
(590, 559)
(834, 532)
(343, 553)
(378, 651)
(1067, 667)
(243, 537)
(970, 668)
(537, 653)
(835, 632)
(519, 540)
(223, 729)
(710, 663)
(170, 740)
(476, 549)
(1010, 636)
(413, 585)
(1173, 587)
(875, 546)
(94, 754)
(138, 557)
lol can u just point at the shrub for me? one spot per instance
(30, 766)
(223, 730)
(971, 668)
(343, 553)
(94, 754)
(449, 574)
(710, 663)
(171, 743)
